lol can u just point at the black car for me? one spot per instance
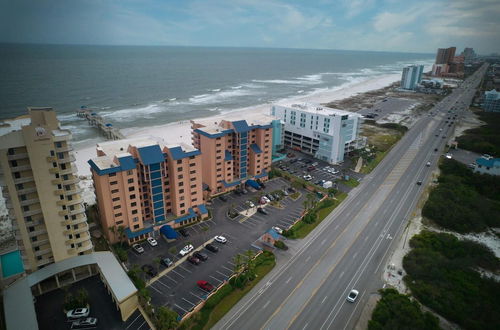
(238, 192)
(262, 184)
(211, 248)
(261, 210)
(193, 260)
(290, 189)
(148, 269)
(223, 198)
(201, 256)
(270, 197)
(184, 232)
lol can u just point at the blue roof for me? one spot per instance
(241, 126)
(255, 148)
(168, 232)
(273, 234)
(151, 154)
(230, 184)
(261, 175)
(202, 208)
(488, 162)
(216, 135)
(127, 163)
(190, 215)
(253, 184)
(133, 234)
(178, 153)
(228, 155)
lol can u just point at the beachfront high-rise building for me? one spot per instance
(40, 185)
(412, 75)
(491, 101)
(320, 131)
(142, 185)
(447, 64)
(445, 55)
(233, 152)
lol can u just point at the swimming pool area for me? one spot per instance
(11, 263)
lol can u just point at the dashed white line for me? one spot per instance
(266, 304)
(288, 280)
(322, 301)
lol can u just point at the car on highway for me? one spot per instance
(212, 248)
(148, 269)
(77, 313)
(200, 255)
(428, 164)
(194, 260)
(137, 248)
(204, 285)
(220, 239)
(351, 297)
(419, 183)
(86, 323)
(152, 241)
(185, 250)
(166, 262)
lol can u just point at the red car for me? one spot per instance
(204, 285)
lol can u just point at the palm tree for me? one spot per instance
(311, 199)
(238, 261)
(250, 263)
(121, 232)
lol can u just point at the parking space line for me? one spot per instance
(227, 268)
(215, 278)
(133, 321)
(221, 273)
(185, 311)
(189, 302)
(174, 271)
(187, 270)
(159, 281)
(171, 279)
(152, 286)
(143, 323)
(196, 295)
(192, 227)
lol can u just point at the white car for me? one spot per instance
(78, 313)
(250, 204)
(448, 156)
(266, 199)
(152, 241)
(428, 164)
(138, 248)
(307, 177)
(351, 297)
(220, 239)
(185, 250)
(278, 230)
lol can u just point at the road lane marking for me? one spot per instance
(322, 301)
(323, 241)
(307, 259)
(341, 274)
(288, 280)
(266, 304)
(354, 256)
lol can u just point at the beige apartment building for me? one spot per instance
(234, 152)
(39, 183)
(142, 186)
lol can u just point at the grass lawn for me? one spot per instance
(351, 182)
(302, 229)
(371, 165)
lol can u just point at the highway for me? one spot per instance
(350, 247)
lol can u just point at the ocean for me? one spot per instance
(139, 86)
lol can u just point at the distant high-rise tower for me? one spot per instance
(412, 75)
(469, 55)
(40, 185)
(445, 55)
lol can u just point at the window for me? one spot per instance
(132, 196)
(181, 191)
(179, 161)
(129, 172)
(179, 169)
(31, 229)
(133, 204)
(192, 164)
(192, 172)
(28, 218)
(135, 219)
(194, 200)
(112, 183)
(180, 176)
(114, 191)
(116, 199)
(167, 190)
(112, 174)
(130, 180)
(181, 184)
(181, 198)
(131, 188)
(17, 175)
(192, 179)
(218, 157)
(134, 211)
(136, 226)
(117, 207)
(118, 215)
(193, 186)
(181, 205)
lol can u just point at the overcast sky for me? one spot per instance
(382, 25)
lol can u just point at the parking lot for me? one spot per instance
(177, 289)
(386, 107)
(303, 165)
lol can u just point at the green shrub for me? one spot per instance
(121, 253)
(218, 296)
(280, 245)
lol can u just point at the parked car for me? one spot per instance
(449, 156)
(220, 239)
(285, 192)
(212, 248)
(166, 262)
(194, 260)
(250, 204)
(277, 196)
(291, 190)
(307, 177)
(262, 201)
(244, 191)
(266, 199)
(86, 323)
(204, 285)
(137, 248)
(278, 230)
(472, 165)
(270, 197)
(148, 269)
(185, 250)
(262, 210)
(262, 184)
(77, 313)
(152, 241)
(184, 232)
(223, 198)
(351, 297)
(201, 256)
(238, 192)
(311, 168)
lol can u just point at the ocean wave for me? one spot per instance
(78, 129)
(215, 90)
(67, 117)
(130, 114)
(219, 96)
(236, 87)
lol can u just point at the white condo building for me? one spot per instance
(412, 75)
(320, 131)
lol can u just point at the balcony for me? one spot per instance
(37, 232)
(74, 212)
(69, 202)
(73, 191)
(40, 242)
(66, 159)
(20, 168)
(61, 135)
(51, 159)
(18, 156)
(64, 149)
(45, 261)
(71, 181)
(23, 179)
(70, 170)
(54, 170)
(57, 181)
(26, 191)
(29, 201)
(42, 252)
(32, 212)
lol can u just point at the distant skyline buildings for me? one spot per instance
(412, 75)
(449, 65)
(445, 55)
